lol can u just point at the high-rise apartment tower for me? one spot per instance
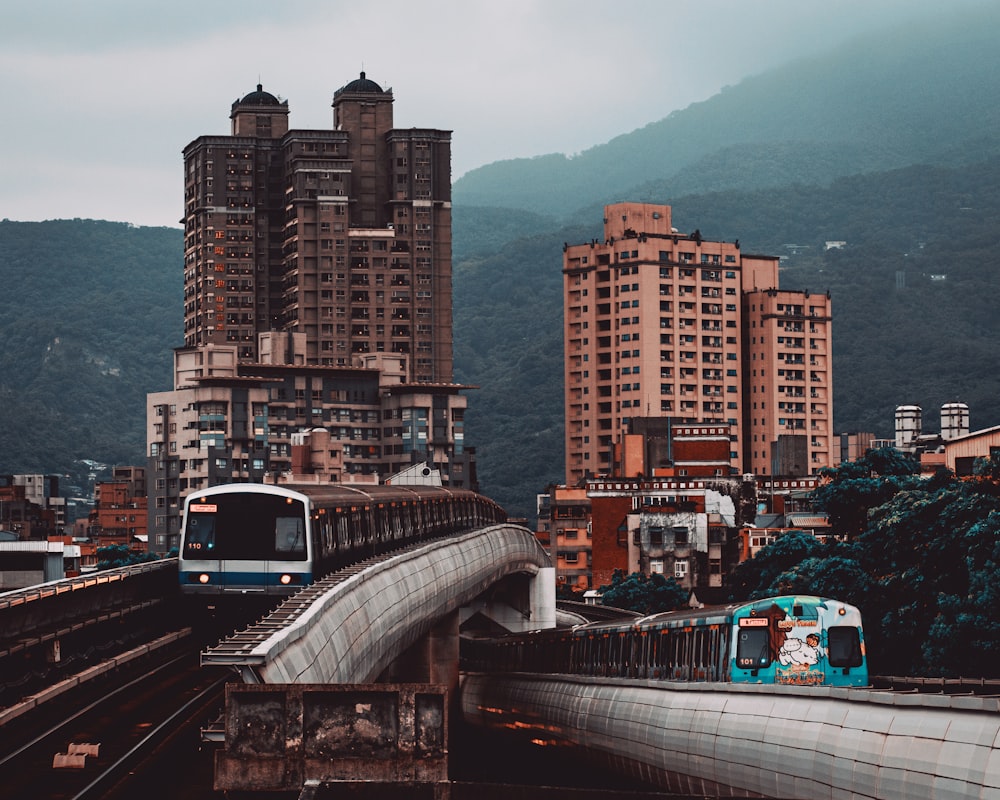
(317, 308)
(674, 327)
(343, 235)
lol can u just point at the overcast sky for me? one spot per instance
(101, 97)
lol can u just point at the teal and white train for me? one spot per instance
(793, 640)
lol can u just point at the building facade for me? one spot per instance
(788, 414)
(681, 528)
(317, 307)
(119, 515)
(569, 530)
(343, 235)
(31, 506)
(676, 328)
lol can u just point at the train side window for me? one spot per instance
(843, 646)
(752, 648)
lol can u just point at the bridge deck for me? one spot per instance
(350, 626)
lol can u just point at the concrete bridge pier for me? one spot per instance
(520, 602)
(318, 717)
(432, 660)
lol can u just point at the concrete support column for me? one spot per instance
(442, 652)
(433, 659)
(542, 598)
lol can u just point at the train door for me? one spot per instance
(262, 543)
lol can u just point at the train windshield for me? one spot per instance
(246, 526)
(753, 649)
(843, 646)
(289, 535)
(199, 539)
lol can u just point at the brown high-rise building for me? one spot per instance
(673, 328)
(343, 235)
(317, 308)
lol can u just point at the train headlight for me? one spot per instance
(285, 579)
(204, 578)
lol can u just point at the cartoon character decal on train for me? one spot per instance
(802, 641)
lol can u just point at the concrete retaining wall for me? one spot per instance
(280, 737)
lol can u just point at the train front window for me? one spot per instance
(843, 646)
(200, 537)
(753, 648)
(289, 537)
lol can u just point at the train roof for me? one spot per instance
(342, 492)
(693, 615)
(710, 614)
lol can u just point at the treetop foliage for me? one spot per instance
(647, 594)
(119, 555)
(922, 564)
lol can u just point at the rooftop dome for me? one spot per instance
(259, 98)
(362, 84)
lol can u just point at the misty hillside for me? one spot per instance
(921, 94)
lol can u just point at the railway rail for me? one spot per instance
(101, 748)
(983, 687)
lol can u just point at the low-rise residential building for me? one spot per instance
(30, 506)
(119, 516)
(568, 527)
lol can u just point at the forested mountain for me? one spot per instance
(882, 144)
(89, 312)
(920, 93)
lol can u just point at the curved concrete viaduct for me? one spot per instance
(352, 629)
(726, 740)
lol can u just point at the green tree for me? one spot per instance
(924, 566)
(755, 578)
(647, 594)
(834, 574)
(119, 555)
(933, 552)
(854, 488)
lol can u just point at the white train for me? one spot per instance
(245, 539)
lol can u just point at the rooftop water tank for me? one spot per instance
(954, 420)
(907, 426)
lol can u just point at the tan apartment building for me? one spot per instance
(788, 414)
(660, 324)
